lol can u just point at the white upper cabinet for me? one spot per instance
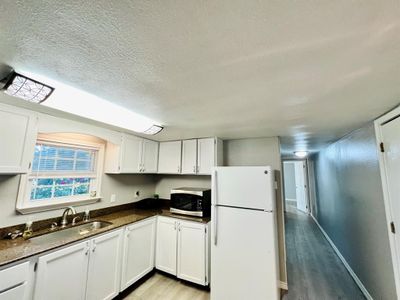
(131, 151)
(206, 155)
(169, 160)
(132, 155)
(105, 266)
(149, 156)
(18, 131)
(189, 156)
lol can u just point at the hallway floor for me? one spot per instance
(315, 272)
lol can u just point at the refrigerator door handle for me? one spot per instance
(215, 208)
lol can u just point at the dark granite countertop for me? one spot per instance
(18, 249)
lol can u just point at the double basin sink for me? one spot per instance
(69, 232)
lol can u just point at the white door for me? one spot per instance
(189, 156)
(192, 252)
(166, 245)
(169, 158)
(18, 130)
(391, 139)
(301, 188)
(105, 266)
(149, 156)
(131, 151)
(62, 274)
(205, 155)
(250, 187)
(138, 254)
(244, 256)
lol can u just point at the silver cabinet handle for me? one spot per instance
(174, 225)
(194, 169)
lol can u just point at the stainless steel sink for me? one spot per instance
(81, 229)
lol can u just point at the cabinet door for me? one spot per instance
(16, 293)
(169, 159)
(105, 266)
(131, 153)
(189, 156)
(18, 131)
(14, 282)
(192, 252)
(150, 156)
(62, 274)
(166, 245)
(138, 254)
(205, 155)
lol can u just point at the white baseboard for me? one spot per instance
(283, 285)
(349, 269)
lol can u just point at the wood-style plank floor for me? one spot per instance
(162, 287)
(315, 272)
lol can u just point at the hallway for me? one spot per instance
(314, 270)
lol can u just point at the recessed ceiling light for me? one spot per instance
(301, 154)
(153, 130)
(26, 88)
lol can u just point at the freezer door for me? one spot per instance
(244, 256)
(249, 187)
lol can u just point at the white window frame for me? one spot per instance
(25, 205)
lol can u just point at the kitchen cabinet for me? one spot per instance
(18, 131)
(62, 274)
(183, 249)
(200, 155)
(166, 244)
(132, 155)
(149, 156)
(87, 270)
(14, 282)
(192, 251)
(189, 156)
(105, 266)
(138, 252)
(169, 159)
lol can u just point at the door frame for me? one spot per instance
(378, 123)
(306, 181)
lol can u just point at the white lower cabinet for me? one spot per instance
(105, 266)
(183, 249)
(192, 252)
(62, 274)
(88, 270)
(14, 282)
(166, 244)
(138, 252)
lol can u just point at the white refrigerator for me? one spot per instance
(244, 246)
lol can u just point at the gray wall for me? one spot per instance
(349, 206)
(253, 152)
(289, 180)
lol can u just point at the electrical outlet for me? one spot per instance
(137, 194)
(113, 198)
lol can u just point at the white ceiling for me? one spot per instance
(309, 71)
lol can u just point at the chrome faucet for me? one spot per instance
(64, 220)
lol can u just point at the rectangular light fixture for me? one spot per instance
(26, 88)
(153, 130)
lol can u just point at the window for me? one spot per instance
(63, 172)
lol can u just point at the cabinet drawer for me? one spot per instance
(13, 276)
(17, 292)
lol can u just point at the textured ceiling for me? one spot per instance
(308, 71)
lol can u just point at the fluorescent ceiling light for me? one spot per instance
(78, 102)
(154, 129)
(26, 88)
(301, 154)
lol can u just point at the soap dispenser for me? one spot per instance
(28, 230)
